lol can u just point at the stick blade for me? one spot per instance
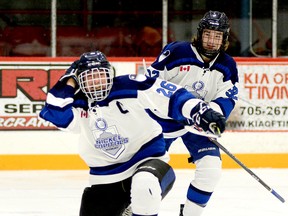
(278, 196)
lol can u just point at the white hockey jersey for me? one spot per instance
(215, 82)
(117, 134)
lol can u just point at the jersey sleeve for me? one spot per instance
(158, 68)
(227, 89)
(169, 100)
(226, 101)
(59, 109)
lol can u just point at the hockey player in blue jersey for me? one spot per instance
(204, 69)
(120, 143)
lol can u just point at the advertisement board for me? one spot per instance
(23, 91)
(262, 104)
(263, 97)
(256, 129)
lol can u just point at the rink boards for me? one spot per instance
(256, 130)
(56, 150)
(178, 161)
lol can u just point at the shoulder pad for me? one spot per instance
(138, 77)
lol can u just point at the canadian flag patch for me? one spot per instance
(84, 114)
(184, 68)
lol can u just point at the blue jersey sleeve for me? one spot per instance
(58, 106)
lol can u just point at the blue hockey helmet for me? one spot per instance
(94, 59)
(213, 20)
(95, 75)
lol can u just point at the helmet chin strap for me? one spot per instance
(210, 55)
(204, 52)
(207, 56)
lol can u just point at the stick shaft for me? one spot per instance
(248, 170)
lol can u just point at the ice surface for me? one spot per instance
(58, 193)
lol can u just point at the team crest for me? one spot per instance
(198, 85)
(197, 89)
(107, 139)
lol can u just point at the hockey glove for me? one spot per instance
(71, 72)
(208, 119)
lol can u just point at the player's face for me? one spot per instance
(96, 80)
(211, 39)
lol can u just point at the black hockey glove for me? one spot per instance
(71, 72)
(208, 119)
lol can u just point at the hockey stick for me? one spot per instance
(196, 130)
(213, 139)
(144, 66)
(248, 170)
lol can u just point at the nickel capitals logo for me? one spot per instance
(107, 139)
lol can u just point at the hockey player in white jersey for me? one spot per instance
(204, 69)
(122, 145)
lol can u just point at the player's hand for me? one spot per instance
(71, 72)
(208, 119)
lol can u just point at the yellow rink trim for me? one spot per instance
(178, 161)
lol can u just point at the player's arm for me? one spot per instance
(189, 110)
(58, 108)
(226, 102)
(158, 68)
(177, 103)
(226, 95)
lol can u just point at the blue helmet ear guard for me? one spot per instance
(91, 60)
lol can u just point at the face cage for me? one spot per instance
(209, 53)
(96, 83)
